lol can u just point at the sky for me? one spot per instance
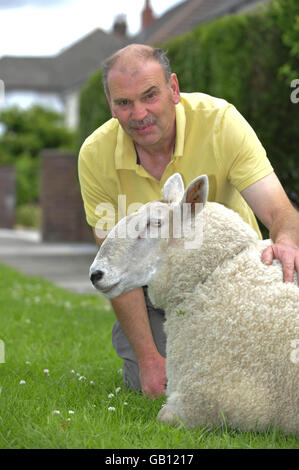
(45, 27)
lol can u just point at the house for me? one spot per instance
(56, 81)
(187, 15)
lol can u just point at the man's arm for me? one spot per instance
(271, 205)
(130, 309)
(131, 312)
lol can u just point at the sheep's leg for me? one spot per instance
(169, 412)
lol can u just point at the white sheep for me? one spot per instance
(230, 320)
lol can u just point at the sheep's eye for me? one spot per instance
(156, 223)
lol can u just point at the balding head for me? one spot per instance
(130, 58)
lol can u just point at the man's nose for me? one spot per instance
(139, 112)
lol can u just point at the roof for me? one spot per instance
(71, 67)
(27, 73)
(187, 15)
(76, 63)
(68, 69)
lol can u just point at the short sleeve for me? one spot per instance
(239, 151)
(100, 208)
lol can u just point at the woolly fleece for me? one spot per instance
(230, 323)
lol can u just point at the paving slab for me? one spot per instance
(64, 264)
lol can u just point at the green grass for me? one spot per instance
(45, 327)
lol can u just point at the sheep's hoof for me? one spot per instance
(167, 415)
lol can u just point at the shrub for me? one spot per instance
(26, 133)
(94, 108)
(28, 215)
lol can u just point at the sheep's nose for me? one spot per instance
(96, 276)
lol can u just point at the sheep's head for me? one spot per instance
(131, 252)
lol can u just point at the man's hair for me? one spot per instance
(146, 53)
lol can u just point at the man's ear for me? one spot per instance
(175, 88)
(196, 192)
(110, 104)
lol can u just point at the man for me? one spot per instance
(155, 132)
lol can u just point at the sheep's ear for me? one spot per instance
(173, 189)
(197, 192)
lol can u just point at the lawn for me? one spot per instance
(61, 382)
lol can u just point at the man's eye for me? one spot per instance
(122, 103)
(151, 96)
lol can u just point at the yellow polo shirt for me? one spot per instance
(212, 138)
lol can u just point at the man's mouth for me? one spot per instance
(141, 126)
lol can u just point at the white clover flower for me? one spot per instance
(82, 377)
(22, 382)
(111, 408)
(71, 412)
(111, 395)
(46, 371)
(91, 382)
(120, 371)
(56, 412)
(28, 363)
(118, 389)
(73, 372)
(125, 402)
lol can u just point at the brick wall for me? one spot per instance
(63, 217)
(7, 196)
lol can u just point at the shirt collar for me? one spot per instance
(125, 153)
(180, 117)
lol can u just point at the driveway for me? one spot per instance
(64, 264)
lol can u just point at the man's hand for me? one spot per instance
(152, 375)
(288, 254)
(271, 205)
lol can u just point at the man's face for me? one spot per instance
(143, 102)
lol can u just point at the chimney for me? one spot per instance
(120, 26)
(147, 15)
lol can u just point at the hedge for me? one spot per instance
(249, 60)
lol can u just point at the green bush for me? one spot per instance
(28, 215)
(26, 133)
(94, 108)
(247, 59)
(27, 171)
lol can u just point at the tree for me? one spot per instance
(25, 134)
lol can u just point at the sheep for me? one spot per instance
(230, 319)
